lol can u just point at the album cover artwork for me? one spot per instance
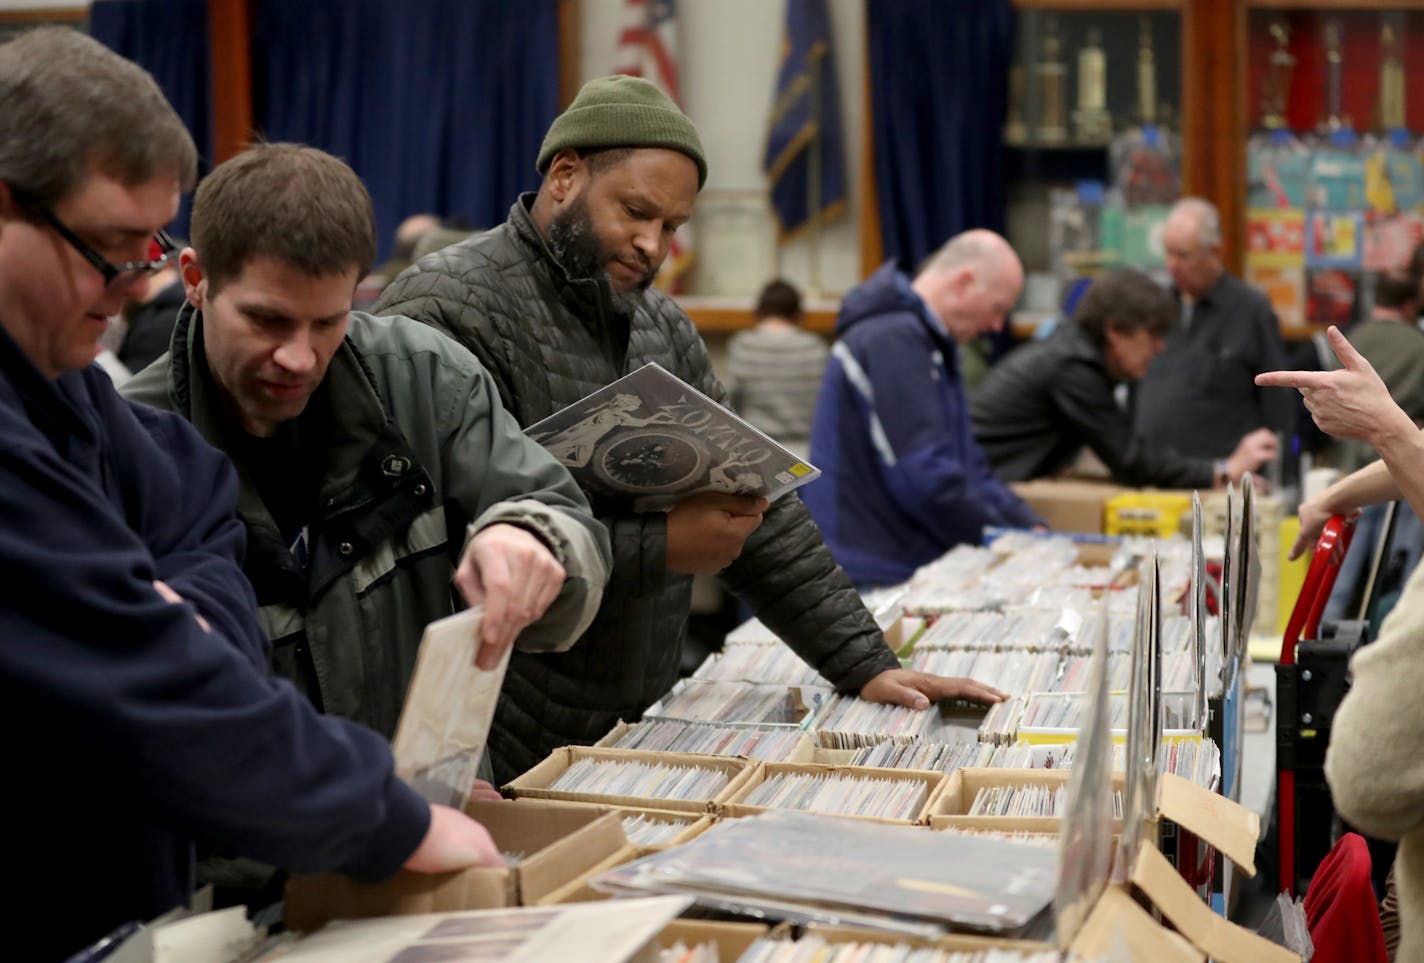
(652, 437)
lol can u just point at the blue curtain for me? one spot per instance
(169, 39)
(439, 105)
(939, 94)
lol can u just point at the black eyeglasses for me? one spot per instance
(115, 275)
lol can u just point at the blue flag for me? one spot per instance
(806, 123)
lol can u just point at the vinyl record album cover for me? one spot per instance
(652, 437)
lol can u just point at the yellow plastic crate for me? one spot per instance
(1146, 513)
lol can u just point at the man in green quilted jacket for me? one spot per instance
(558, 302)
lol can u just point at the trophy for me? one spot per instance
(1015, 130)
(1092, 124)
(1391, 105)
(1052, 74)
(1335, 118)
(1146, 75)
(1275, 94)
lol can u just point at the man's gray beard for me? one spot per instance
(574, 244)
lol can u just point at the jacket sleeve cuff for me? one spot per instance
(881, 660)
(534, 517)
(406, 823)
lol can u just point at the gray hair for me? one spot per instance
(1206, 216)
(69, 107)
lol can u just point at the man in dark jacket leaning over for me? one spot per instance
(133, 671)
(556, 302)
(375, 457)
(1045, 401)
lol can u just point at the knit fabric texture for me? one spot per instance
(622, 111)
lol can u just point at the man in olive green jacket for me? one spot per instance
(374, 456)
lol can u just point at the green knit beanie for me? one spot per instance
(622, 111)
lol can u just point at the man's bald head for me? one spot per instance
(410, 231)
(971, 283)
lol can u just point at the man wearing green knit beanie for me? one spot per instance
(558, 302)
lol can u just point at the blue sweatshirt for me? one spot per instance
(903, 480)
(131, 730)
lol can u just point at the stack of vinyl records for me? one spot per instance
(812, 949)
(1017, 673)
(1027, 801)
(841, 794)
(613, 777)
(758, 664)
(673, 735)
(924, 755)
(737, 703)
(849, 722)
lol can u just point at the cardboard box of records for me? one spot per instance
(1117, 918)
(556, 843)
(901, 796)
(951, 808)
(675, 781)
(649, 830)
(802, 749)
(954, 942)
(731, 939)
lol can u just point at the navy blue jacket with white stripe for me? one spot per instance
(903, 480)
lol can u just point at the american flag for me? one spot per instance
(647, 47)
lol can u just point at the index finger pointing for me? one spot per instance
(1293, 379)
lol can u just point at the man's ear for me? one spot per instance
(195, 282)
(567, 172)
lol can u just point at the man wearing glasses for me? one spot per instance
(133, 671)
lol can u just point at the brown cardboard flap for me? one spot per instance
(694, 824)
(932, 780)
(954, 942)
(578, 890)
(557, 841)
(805, 750)
(1215, 935)
(1117, 921)
(313, 901)
(613, 735)
(822, 756)
(732, 939)
(1229, 826)
(1069, 505)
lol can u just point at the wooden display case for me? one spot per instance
(1327, 142)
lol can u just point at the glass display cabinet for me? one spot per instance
(1333, 190)
(1094, 143)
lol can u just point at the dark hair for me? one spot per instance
(70, 107)
(1396, 289)
(295, 204)
(779, 299)
(1125, 301)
